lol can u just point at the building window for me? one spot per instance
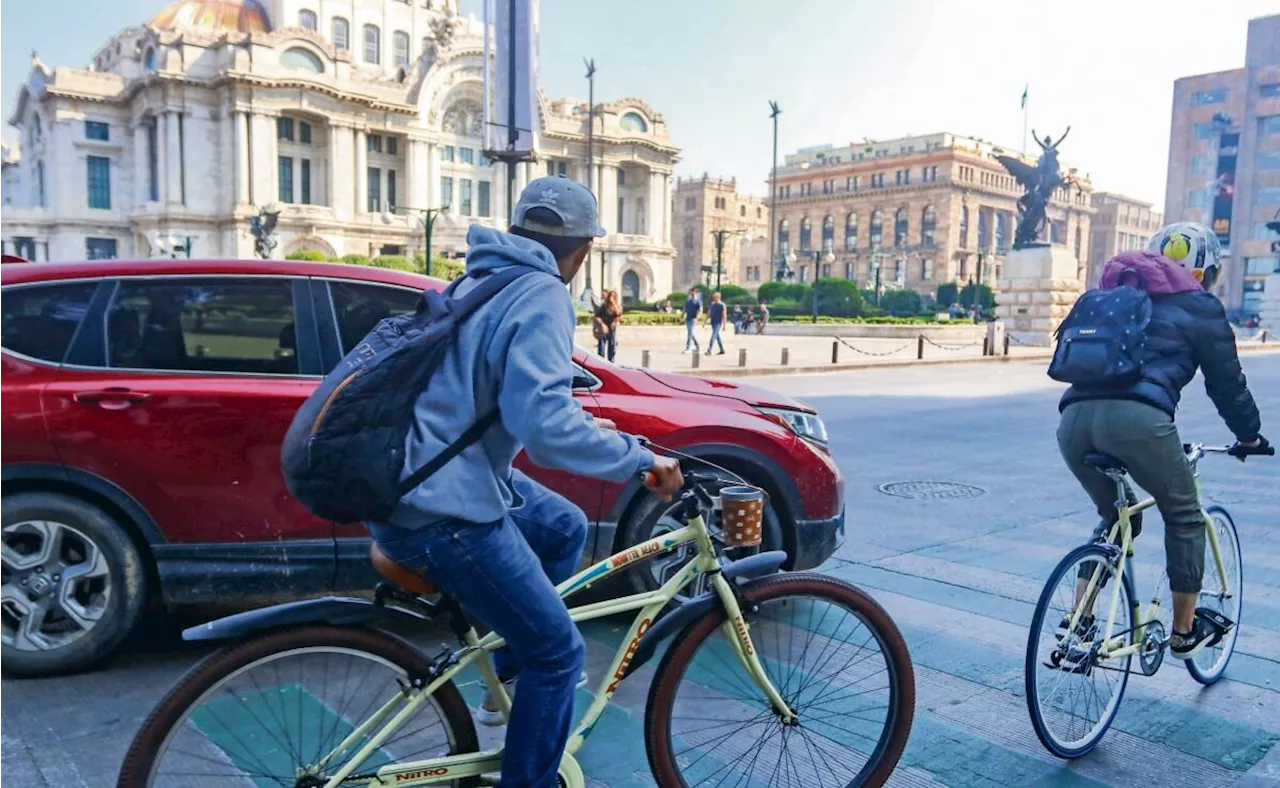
(300, 59)
(482, 198)
(877, 228)
(393, 145)
(284, 129)
(372, 44)
(901, 227)
(900, 272)
(40, 196)
(1003, 220)
(1268, 160)
(622, 213)
(374, 177)
(1206, 131)
(286, 178)
(964, 227)
(1198, 199)
(984, 229)
(446, 191)
(806, 235)
(1079, 241)
(391, 189)
(1206, 97)
(877, 180)
(784, 237)
(446, 153)
(828, 233)
(99, 172)
(307, 19)
(100, 249)
(153, 161)
(826, 270)
(622, 177)
(688, 238)
(341, 33)
(690, 203)
(464, 196)
(304, 132)
(742, 211)
(929, 227)
(96, 130)
(1270, 90)
(631, 121)
(305, 178)
(848, 271)
(1267, 195)
(926, 270)
(373, 143)
(400, 43)
(466, 155)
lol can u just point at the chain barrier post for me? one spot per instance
(835, 352)
(985, 342)
(1006, 343)
(697, 358)
(920, 348)
(644, 359)
(742, 357)
(786, 356)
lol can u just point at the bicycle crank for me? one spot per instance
(1151, 655)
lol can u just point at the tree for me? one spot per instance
(902, 302)
(986, 298)
(734, 294)
(948, 292)
(836, 297)
(782, 291)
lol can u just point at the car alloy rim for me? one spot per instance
(664, 567)
(56, 585)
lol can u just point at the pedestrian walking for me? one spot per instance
(764, 318)
(692, 308)
(608, 315)
(715, 315)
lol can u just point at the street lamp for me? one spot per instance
(720, 236)
(818, 258)
(774, 112)
(428, 218)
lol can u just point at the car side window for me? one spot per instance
(204, 325)
(40, 320)
(359, 307)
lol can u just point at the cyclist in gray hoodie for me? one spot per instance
(488, 535)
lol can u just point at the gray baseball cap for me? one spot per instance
(568, 199)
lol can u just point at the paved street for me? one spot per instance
(959, 576)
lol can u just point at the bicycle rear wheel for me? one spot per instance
(833, 654)
(1072, 695)
(265, 711)
(1207, 665)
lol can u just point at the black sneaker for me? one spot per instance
(1184, 645)
(1085, 629)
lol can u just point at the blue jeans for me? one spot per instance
(504, 573)
(690, 338)
(715, 337)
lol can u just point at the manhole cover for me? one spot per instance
(931, 491)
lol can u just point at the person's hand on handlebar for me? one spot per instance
(665, 477)
(1258, 446)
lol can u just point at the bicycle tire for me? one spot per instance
(901, 708)
(1211, 676)
(1068, 564)
(148, 743)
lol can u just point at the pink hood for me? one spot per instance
(1160, 275)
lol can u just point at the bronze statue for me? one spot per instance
(263, 229)
(1040, 181)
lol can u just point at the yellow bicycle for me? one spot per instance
(771, 680)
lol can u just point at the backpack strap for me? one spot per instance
(472, 434)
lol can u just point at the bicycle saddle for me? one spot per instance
(1104, 462)
(411, 580)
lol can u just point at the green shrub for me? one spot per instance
(355, 259)
(630, 318)
(948, 293)
(677, 299)
(444, 268)
(307, 254)
(836, 297)
(397, 262)
(986, 298)
(735, 294)
(901, 302)
(772, 292)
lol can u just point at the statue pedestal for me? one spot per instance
(1269, 311)
(1039, 287)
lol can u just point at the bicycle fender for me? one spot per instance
(750, 568)
(337, 611)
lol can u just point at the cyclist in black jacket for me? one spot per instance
(1135, 422)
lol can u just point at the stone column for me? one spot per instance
(173, 157)
(162, 157)
(141, 183)
(263, 164)
(609, 198)
(362, 171)
(412, 184)
(430, 166)
(666, 210)
(653, 219)
(241, 162)
(341, 167)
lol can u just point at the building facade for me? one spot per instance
(914, 213)
(705, 205)
(1224, 162)
(1119, 224)
(336, 112)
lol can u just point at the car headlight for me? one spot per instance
(806, 425)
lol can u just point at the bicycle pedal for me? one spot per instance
(1215, 619)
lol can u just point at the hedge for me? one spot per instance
(308, 254)
(640, 319)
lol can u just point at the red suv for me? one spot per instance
(143, 408)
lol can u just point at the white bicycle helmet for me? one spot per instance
(1194, 246)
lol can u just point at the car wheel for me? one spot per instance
(654, 517)
(73, 584)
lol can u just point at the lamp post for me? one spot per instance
(774, 254)
(827, 257)
(428, 218)
(591, 153)
(720, 236)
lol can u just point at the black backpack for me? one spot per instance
(343, 455)
(1103, 340)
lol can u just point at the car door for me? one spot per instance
(356, 306)
(179, 391)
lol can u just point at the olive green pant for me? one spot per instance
(1147, 441)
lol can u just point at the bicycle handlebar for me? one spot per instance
(1195, 451)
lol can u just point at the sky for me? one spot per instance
(841, 70)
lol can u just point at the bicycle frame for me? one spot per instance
(1121, 534)
(396, 711)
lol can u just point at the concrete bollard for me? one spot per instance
(742, 357)
(1264, 336)
(920, 347)
(1006, 344)
(835, 352)
(697, 358)
(986, 345)
(644, 359)
(786, 356)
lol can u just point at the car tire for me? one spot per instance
(85, 614)
(643, 523)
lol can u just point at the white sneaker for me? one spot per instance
(489, 713)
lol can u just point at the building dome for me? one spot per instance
(244, 16)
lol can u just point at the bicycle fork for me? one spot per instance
(737, 631)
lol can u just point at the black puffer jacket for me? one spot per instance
(1188, 330)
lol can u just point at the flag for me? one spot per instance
(1024, 95)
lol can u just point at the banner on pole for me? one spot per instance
(511, 88)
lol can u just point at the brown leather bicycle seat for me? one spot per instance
(411, 580)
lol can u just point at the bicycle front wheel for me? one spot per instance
(833, 654)
(1073, 694)
(273, 710)
(1221, 594)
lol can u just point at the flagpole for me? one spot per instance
(1025, 101)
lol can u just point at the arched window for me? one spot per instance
(928, 226)
(784, 237)
(301, 59)
(631, 121)
(372, 44)
(877, 228)
(851, 232)
(964, 227)
(901, 227)
(806, 235)
(400, 43)
(149, 60)
(630, 287)
(307, 19)
(1002, 232)
(828, 233)
(984, 229)
(341, 33)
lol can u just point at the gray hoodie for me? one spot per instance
(515, 352)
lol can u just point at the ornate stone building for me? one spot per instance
(705, 204)
(920, 210)
(1120, 224)
(337, 111)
